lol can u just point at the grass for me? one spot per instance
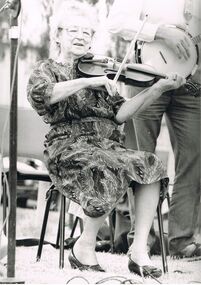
(183, 271)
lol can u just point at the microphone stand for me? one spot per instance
(14, 7)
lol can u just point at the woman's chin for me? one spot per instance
(79, 52)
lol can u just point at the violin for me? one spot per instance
(140, 75)
(133, 74)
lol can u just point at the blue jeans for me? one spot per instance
(182, 111)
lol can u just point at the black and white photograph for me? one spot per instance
(100, 140)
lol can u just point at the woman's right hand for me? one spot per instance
(172, 81)
(103, 81)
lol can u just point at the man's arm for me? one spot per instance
(175, 39)
(125, 20)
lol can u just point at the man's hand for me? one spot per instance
(176, 39)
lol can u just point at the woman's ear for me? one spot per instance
(57, 35)
(58, 44)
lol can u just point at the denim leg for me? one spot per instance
(183, 120)
(143, 130)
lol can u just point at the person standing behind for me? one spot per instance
(181, 108)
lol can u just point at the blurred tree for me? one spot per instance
(35, 25)
(4, 27)
(28, 28)
(47, 9)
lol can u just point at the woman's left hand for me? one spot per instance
(173, 81)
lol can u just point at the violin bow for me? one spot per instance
(131, 47)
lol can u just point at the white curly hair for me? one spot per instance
(69, 8)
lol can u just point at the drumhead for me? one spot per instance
(163, 58)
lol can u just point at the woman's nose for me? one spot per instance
(80, 34)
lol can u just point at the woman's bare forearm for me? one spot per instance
(138, 103)
(145, 98)
(64, 89)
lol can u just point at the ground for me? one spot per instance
(183, 271)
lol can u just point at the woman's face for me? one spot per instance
(75, 37)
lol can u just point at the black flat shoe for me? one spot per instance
(76, 264)
(146, 270)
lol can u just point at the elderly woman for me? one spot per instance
(84, 149)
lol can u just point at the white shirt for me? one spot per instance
(127, 15)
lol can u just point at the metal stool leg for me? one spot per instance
(62, 231)
(74, 227)
(44, 225)
(81, 225)
(4, 204)
(162, 240)
(58, 232)
(168, 199)
(111, 228)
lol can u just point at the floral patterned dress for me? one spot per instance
(84, 149)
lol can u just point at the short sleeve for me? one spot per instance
(40, 87)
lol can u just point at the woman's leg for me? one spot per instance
(146, 201)
(84, 248)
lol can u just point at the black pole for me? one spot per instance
(14, 7)
(12, 152)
